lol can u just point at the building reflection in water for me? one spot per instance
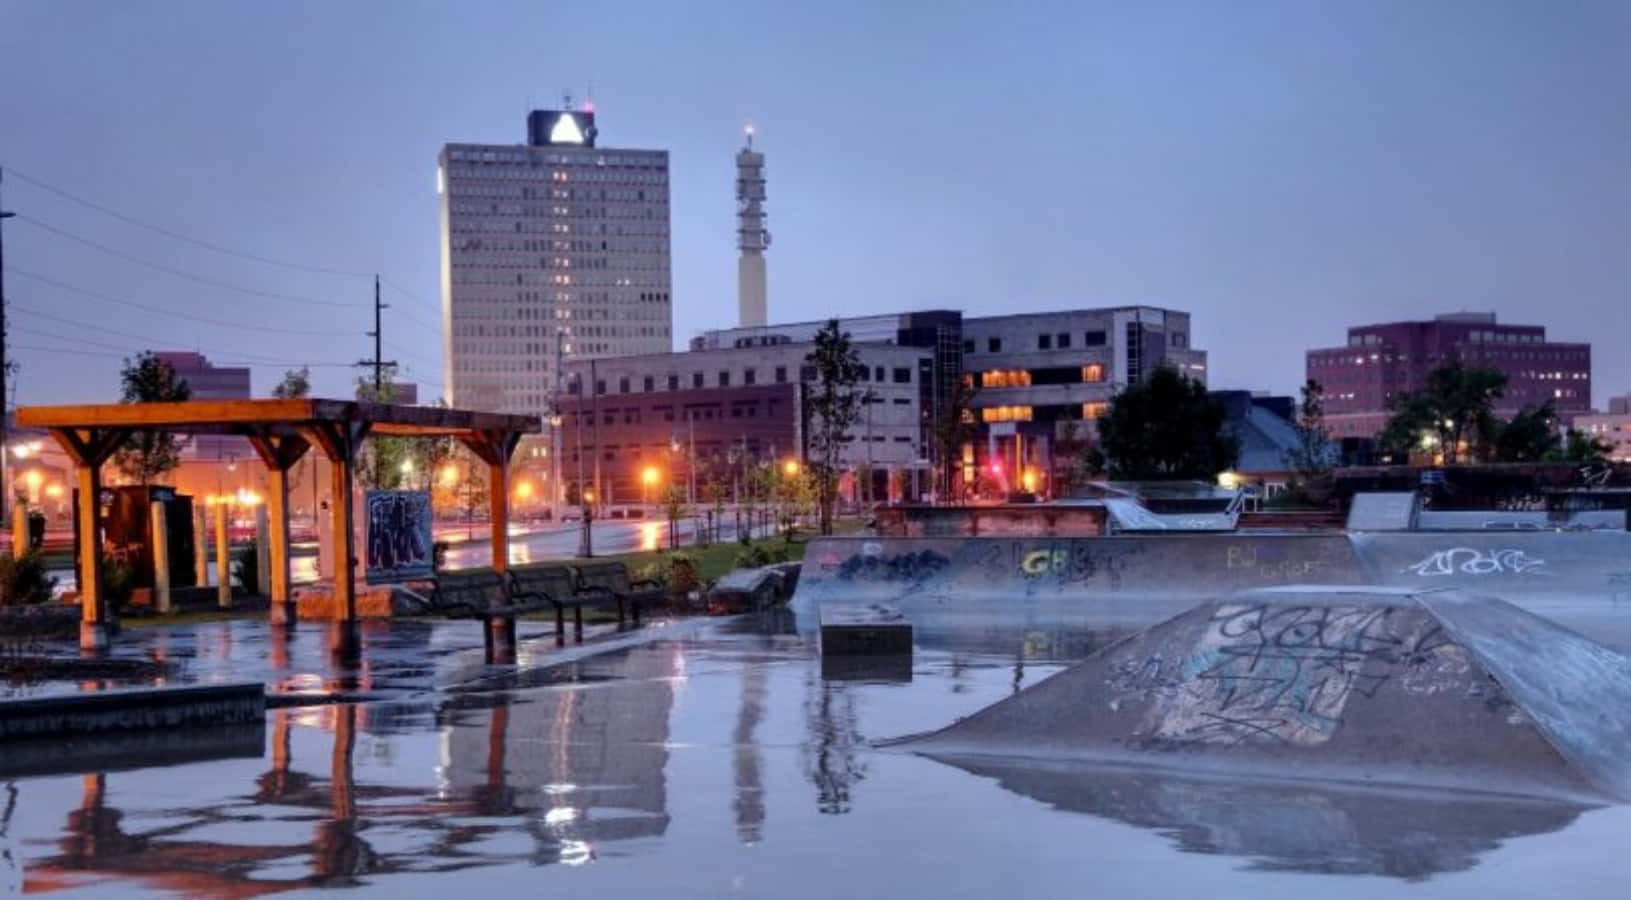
(570, 768)
(747, 766)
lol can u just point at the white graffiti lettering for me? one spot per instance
(1468, 561)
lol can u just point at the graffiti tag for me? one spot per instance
(1285, 674)
(1469, 561)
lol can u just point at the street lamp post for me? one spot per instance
(5, 425)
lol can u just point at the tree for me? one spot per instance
(954, 427)
(1454, 410)
(296, 384)
(1530, 436)
(674, 506)
(380, 462)
(1580, 447)
(1311, 458)
(1166, 428)
(150, 453)
(834, 408)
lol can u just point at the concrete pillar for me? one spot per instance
(201, 547)
(19, 529)
(263, 552)
(223, 558)
(161, 558)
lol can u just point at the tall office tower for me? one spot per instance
(751, 237)
(554, 236)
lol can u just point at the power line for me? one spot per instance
(125, 351)
(153, 341)
(179, 273)
(222, 323)
(228, 251)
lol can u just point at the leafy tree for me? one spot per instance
(674, 507)
(296, 384)
(1166, 428)
(1530, 436)
(1580, 447)
(1455, 408)
(834, 407)
(380, 462)
(954, 427)
(149, 453)
(1311, 458)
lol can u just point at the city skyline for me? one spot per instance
(1280, 173)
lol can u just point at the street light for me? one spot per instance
(791, 468)
(648, 480)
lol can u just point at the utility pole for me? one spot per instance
(378, 363)
(5, 425)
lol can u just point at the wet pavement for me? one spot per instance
(708, 758)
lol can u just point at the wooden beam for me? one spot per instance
(498, 506)
(92, 599)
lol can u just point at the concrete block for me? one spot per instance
(744, 590)
(871, 629)
(134, 709)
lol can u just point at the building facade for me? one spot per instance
(1382, 362)
(1612, 427)
(555, 237)
(706, 414)
(1042, 380)
(212, 382)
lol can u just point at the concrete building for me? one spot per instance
(1613, 427)
(555, 236)
(752, 240)
(402, 393)
(212, 382)
(1382, 362)
(731, 407)
(1043, 379)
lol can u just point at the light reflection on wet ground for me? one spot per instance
(702, 759)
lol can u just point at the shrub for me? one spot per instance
(683, 575)
(118, 581)
(764, 553)
(23, 580)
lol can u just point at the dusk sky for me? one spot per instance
(1281, 170)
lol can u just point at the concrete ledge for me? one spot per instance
(872, 629)
(110, 751)
(744, 590)
(93, 712)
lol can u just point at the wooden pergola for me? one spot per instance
(281, 432)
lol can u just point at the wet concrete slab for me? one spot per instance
(710, 758)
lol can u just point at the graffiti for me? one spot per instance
(1246, 557)
(1286, 674)
(875, 566)
(1078, 561)
(1619, 579)
(399, 544)
(1468, 561)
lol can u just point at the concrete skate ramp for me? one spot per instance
(1375, 686)
(1319, 828)
(1020, 574)
(1510, 565)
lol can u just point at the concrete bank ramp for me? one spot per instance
(1020, 573)
(1375, 686)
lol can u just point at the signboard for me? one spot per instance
(398, 536)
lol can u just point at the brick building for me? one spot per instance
(1382, 362)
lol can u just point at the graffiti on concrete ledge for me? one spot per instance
(1468, 561)
(399, 542)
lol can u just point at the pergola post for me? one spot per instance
(280, 453)
(89, 449)
(339, 441)
(495, 449)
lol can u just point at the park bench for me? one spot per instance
(554, 586)
(483, 594)
(610, 581)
